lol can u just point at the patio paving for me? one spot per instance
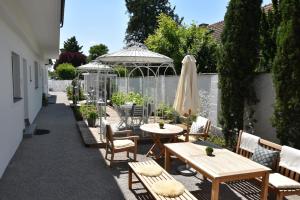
(59, 166)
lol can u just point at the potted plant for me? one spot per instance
(90, 113)
(91, 119)
(161, 124)
(209, 151)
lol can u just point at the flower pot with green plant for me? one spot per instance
(90, 113)
(91, 119)
(209, 151)
(161, 124)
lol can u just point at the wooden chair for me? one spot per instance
(280, 193)
(137, 115)
(116, 142)
(193, 137)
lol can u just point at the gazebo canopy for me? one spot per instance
(94, 67)
(135, 54)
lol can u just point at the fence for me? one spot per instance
(209, 96)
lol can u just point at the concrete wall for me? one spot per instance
(12, 113)
(208, 85)
(167, 86)
(264, 109)
(58, 85)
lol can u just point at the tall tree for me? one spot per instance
(143, 17)
(268, 31)
(176, 41)
(97, 50)
(238, 59)
(286, 74)
(71, 45)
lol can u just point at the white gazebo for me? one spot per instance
(99, 84)
(98, 79)
(140, 61)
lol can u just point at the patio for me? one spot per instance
(58, 166)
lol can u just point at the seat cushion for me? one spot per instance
(282, 182)
(168, 188)
(192, 138)
(197, 127)
(119, 144)
(264, 156)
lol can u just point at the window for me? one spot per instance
(16, 77)
(30, 74)
(36, 75)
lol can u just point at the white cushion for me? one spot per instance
(282, 182)
(290, 158)
(123, 143)
(196, 128)
(168, 188)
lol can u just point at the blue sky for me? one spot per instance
(105, 21)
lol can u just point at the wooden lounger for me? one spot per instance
(149, 181)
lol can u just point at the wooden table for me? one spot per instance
(169, 131)
(224, 166)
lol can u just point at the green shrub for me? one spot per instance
(218, 140)
(77, 113)
(88, 111)
(286, 75)
(69, 91)
(119, 98)
(66, 71)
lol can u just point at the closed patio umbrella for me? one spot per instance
(187, 97)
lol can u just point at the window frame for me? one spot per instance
(16, 74)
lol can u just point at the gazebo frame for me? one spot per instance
(102, 72)
(136, 57)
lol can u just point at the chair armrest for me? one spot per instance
(126, 138)
(124, 132)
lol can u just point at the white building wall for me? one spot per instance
(12, 114)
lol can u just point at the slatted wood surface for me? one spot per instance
(224, 163)
(149, 181)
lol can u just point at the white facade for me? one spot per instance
(23, 24)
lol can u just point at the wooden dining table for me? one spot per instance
(169, 132)
(222, 166)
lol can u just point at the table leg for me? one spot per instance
(167, 160)
(130, 178)
(265, 184)
(215, 190)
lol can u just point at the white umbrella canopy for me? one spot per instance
(187, 97)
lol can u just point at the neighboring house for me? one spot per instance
(217, 28)
(29, 36)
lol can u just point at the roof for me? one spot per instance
(93, 66)
(134, 54)
(217, 28)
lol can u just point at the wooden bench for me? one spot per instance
(280, 193)
(147, 181)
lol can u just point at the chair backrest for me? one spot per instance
(109, 133)
(137, 111)
(206, 123)
(274, 147)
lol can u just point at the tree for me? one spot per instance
(175, 41)
(74, 58)
(268, 31)
(66, 71)
(286, 75)
(143, 17)
(71, 45)
(97, 50)
(238, 59)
